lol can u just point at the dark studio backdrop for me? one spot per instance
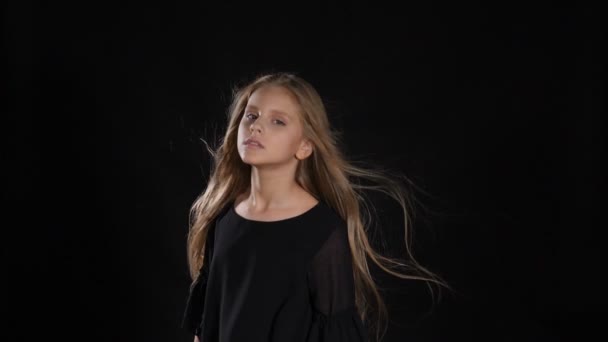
(496, 112)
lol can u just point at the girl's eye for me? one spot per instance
(248, 115)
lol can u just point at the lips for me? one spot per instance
(253, 142)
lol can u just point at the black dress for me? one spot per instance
(286, 280)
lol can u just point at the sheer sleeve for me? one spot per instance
(332, 293)
(195, 303)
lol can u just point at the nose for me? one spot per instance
(255, 126)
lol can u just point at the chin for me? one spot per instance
(252, 160)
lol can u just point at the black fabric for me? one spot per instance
(286, 280)
(196, 300)
(331, 285)
(330, 275)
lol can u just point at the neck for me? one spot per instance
(271, 189)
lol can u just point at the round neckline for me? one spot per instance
(306, 213)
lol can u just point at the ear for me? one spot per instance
(305, 149)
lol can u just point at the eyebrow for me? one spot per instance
(272, 110)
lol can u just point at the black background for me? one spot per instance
(496, 111)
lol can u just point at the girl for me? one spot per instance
(277, 246)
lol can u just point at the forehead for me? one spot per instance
(274, 98)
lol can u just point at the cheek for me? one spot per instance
(291, 139)
(244, 126)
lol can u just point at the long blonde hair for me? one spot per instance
(326, 174)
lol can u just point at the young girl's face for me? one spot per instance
(272, 117)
